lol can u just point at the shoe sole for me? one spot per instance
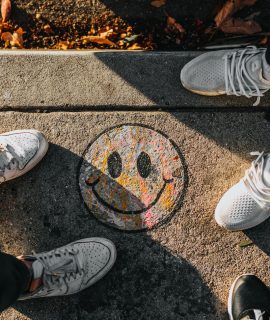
(205, 93)
(231, 294)
(249, 225)
(44, 145)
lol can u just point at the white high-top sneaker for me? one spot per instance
(71, 268)
(240, 72)
(247, 203)
(20, 151)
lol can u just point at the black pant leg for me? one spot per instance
(267, 55)
(14, 279)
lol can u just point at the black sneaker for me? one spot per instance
(249, 299)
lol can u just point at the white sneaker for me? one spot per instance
(247, 203)
(20, 151)
(240, 72)
(71, 268)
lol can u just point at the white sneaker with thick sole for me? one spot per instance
(241, 72)
(71, 268)
(247, 203)
(20, 151)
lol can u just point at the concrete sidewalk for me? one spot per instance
(181, 270)
(85, 80)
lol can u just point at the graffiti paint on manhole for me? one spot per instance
(132, 177)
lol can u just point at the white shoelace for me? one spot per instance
(9, 159)
(237, 79)
(58, 275)
(253, 181)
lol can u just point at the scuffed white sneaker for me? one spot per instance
(247, 203)
(71, 268)
(20, 151)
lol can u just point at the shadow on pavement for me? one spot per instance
(239, 132)
(160, 82)
(44, 210)
(260, 236)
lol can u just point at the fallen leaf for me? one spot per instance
(264, 41)
(98, 39)
(47, 28)
(229, 9)
(5, 9)
(245, 243)
(6, 36)
(173, 26)
(240, 4)
(15, 39)
(106, 33)
(64, 45)
(132, 38)
(135, 46)
(158, 3)
(240, 26)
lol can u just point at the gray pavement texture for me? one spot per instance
(101, 80)
(181, 270)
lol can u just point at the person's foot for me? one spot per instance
(249, 299)
(241, 72)
(20, 151)
(247, 203)
(69, 269)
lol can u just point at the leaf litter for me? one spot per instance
(108, 31)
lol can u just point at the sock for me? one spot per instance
(36, 270)
(265, 68)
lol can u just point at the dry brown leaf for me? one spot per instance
(47, 28)
(174, 26)
(135, 46)
(5, 9)
(229, 8)
(264, 41)
(64, 45)
(226, 12)
(15, 39)
(239, 4)
(6, 36)
(158, 3)
(106, 33)
(240, 26)
(99, 40)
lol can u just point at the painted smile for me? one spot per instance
(103, 202)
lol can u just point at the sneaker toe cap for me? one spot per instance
(204, 74)
(237, 210)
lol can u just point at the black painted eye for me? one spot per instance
(144, 164)
(114, 165)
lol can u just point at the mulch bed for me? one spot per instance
(123, 24)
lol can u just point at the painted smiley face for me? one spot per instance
(132, 177)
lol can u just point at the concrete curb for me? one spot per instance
(68, 80)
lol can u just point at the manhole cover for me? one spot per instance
(132, 177)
